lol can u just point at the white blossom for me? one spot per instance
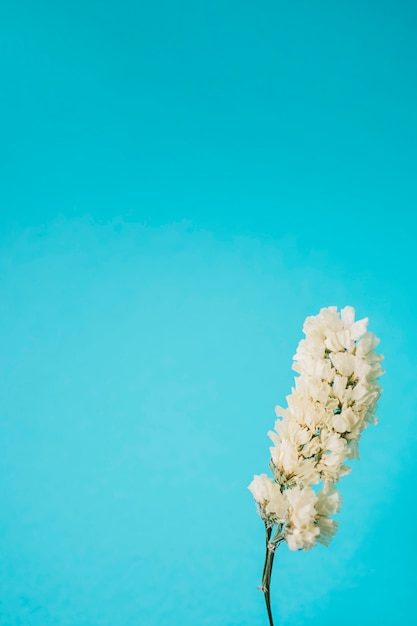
(333, 400)
(271, 502)
(308, 515)
(335, 392)
(329, 500)
(301, 531)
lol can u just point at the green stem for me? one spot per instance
(268, 532)
(267, 571)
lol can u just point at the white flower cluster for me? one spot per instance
(333, 400)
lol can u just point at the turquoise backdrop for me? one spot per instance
(181, 184)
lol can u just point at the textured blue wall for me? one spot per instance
(182, 184)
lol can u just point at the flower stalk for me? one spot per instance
(334, 399)
(270, 549)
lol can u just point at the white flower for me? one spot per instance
(302, 506)
(308, 516)
(329, 500)
(301, 531)
(333, 400)
(358, 328)
(327, 529)
(284, 454)
(312, 448)
(313, 366)
(272, 504)
(340, 387)
(307, 473)
(343, 362)
(346, 420)
(367, 344)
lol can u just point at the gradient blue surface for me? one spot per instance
(181, 185)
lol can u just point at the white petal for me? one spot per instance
(347, 315)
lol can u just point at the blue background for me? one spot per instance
(182, 183)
